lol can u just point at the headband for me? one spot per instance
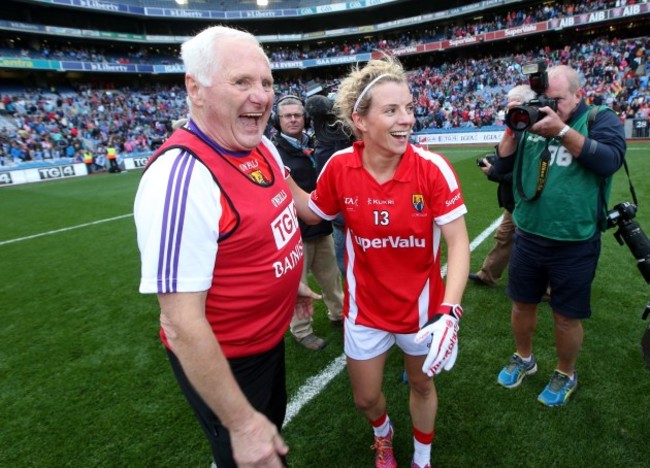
(366, 89)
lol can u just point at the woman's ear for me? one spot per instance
(359, 122)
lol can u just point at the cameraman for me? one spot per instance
(296, 151)
(562, 171)
(330, 138)
(497, 259)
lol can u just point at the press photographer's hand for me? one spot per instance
(549, 126)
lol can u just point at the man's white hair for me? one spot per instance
(521, 93)
(201, 56)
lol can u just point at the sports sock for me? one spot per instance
(381, 426)
(422, 447)
(525, 359)
(571, 377)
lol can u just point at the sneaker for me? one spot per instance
(384, 457)
(312, 342)
(559, 389)
(337, 322)
(478, 280)
(513, 374)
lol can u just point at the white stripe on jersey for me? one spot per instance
(440, 162)
(350, 278)
(349, 149)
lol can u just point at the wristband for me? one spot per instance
(455, 310)
(509, 132)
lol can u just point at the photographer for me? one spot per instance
(562, 166)
(296, 151)
(497, 259)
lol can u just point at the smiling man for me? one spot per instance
(215, 219)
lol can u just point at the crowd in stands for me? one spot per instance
(37, 125)
(472, 93)
(456, 29)
(40, 125)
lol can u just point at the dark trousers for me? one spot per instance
(113, 166)
(262, 380)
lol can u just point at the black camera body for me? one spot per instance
(630, 233)
(519, 118)
(480, 162)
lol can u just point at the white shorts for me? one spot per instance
(362, 343)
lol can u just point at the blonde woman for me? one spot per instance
(398, 202)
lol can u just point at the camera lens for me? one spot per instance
(518, 119)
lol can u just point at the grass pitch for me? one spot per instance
(84, 380)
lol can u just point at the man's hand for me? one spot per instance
(549, 126)
(304, 308)
(257, 443)
(443, 329)
(485, 168)
(305, 291)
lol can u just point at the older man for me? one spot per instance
(221, 247)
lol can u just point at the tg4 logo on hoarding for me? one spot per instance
(5, 178)
(58, 172)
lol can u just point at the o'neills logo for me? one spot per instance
(393, 242)
(279, 198)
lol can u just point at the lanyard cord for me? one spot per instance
(544, 164)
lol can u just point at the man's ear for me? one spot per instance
(193, 88)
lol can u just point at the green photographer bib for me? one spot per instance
(567, 208)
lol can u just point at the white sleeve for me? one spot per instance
(177, 210)
(276, 155)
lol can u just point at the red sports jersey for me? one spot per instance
(258, 263)
(392, 234)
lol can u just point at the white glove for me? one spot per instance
(443, 328)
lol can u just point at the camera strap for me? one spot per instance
(544, 163)
(591, 118)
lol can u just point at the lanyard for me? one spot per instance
(544, 165)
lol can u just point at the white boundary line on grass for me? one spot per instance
(318, 382)
(314, 384)
(48, 233)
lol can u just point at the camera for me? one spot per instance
(480, 162)
(323, 120)
(630, 233)
(519, 118)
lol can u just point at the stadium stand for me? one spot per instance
(105, 79)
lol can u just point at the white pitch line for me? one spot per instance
(314, 384)
(313, 387)
(49, 233)
(318, 382)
